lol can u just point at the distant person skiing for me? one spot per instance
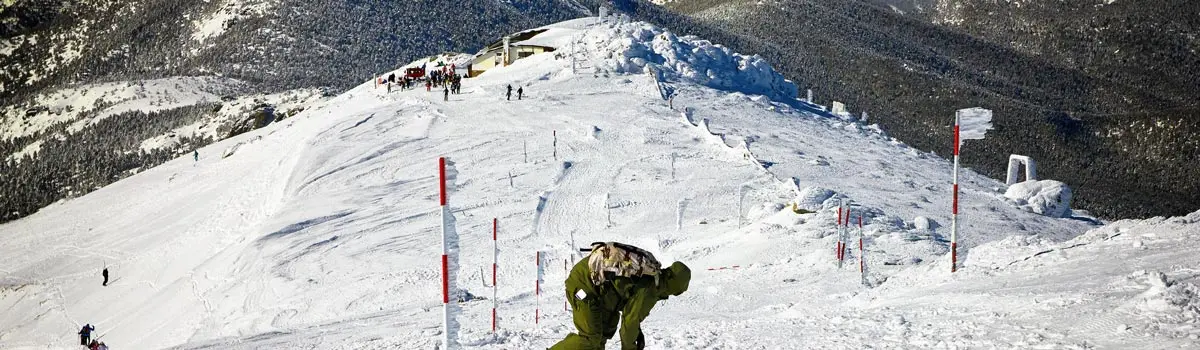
(508, 96)
(617, 283)
(520, 91)
(105, 274)
(85, 334)
(445, 93)
(196, 155)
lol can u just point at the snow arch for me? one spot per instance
(1014, 163)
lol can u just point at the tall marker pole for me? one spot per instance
(969, 124)
(445, 258)
(838, 254)
(495, 254)
(954, 211)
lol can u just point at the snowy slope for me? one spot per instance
(322, 232)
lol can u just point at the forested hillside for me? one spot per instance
(1116, 120)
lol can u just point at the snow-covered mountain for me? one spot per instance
(272, 44)
(1106, 89)
(323, 231)
(190, 72)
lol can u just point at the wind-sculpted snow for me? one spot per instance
(635, 47)
(1047, 197)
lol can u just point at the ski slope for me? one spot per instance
(322, 232)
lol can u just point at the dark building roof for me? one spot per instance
(515, 38)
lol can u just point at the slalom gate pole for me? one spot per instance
(445, 258)
(838, 226)
(845, 233)
(495, 255)
(954, 212)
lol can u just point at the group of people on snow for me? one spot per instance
(85, 333)
(85, 338)
(404, 82)
(446, 79)
(520, 93)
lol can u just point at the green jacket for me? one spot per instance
(598, 309)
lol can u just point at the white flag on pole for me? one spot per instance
(973, 123)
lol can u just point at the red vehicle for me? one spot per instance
(415, 73)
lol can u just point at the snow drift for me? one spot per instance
(634, 47)
(1047, 197)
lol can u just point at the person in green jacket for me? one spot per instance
(598, 308)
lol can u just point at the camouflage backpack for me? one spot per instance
(622, 260)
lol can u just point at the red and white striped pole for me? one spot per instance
(838, 254)
(954, 211)
(445, 258)
(969, 124)
(495, 254)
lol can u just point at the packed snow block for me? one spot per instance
(925, 224)
(814, 198)
(713, 137)
(1167, 297)
(563, 171)
(687, 116)
(231, 150)
(761, 211)
(745, 148)
(1046, 197)
(1015, 162)
(543, 198)
(839, 109)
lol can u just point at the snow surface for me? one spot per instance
(324, 231)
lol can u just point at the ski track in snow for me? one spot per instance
(323, 231)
